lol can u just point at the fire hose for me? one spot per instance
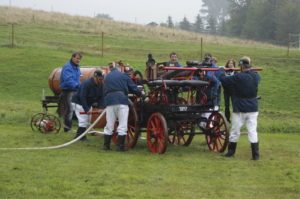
(65, 144)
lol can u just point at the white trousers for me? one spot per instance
(238, 120)
(114, 112)
(83, 119)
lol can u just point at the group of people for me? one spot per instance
(239, 88)
(110, 92)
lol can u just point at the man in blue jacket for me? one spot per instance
(69, 83)
(173, 60)
(90, 93)
(117, 85)
(245, 105)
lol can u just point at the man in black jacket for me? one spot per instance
(245, 105)
(89, 93)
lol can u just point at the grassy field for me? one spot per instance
(83, 170)
(44, 41)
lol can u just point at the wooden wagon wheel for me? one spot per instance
(183, 134)
(133, 129)
(217, 134)
(157, 133)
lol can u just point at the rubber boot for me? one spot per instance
(80, 131)
(255, 151)
(231, 149)
(121, 143)
(106, 145)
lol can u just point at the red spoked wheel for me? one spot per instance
(217, 133)
(183, 135)
(132, 131)
(157, 133)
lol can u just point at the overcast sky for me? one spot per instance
(135, 11)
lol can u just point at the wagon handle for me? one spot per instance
(90, 113)
(206, 69)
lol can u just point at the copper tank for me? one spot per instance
(85, 71)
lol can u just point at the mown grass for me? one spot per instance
(44, 41)
(83, 170)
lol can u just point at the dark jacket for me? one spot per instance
(245, 87)
(228, 90)
(70, 77)
(88, 93)
(117, 85)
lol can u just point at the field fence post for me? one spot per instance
(102, 44)
(12, 35)
(299, 41)
(289, 43)
(201, 47)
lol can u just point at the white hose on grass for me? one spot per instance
(62, 145)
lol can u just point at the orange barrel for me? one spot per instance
(85, 71)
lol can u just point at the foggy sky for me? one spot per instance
(135, 11)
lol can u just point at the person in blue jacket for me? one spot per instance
(173, 60)
(212, 92)
(90, 94)
(245, 105)
(69, 84)
(117, 85)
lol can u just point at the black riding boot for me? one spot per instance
(121, 143)
(231, 149)
(255, 151)
(106, 145)
(80, 131)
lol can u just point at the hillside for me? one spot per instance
(44, 41)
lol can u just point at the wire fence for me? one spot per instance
(114, 44)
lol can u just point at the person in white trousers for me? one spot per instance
(245, 105)
(117, 85)
(90, 94)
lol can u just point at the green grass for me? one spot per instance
(83, 170)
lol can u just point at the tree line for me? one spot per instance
(261, 20)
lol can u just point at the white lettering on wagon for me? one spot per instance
(183, 108)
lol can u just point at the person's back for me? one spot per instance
(245, 106)
(117, 86)
(245, 86)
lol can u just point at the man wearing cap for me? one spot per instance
(69, 83)
(117, 85)
(245, 105)
(90, 93)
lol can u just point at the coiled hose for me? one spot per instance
(62, 145)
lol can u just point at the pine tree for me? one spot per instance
(185, 24)
(170, 23)
(198, 25)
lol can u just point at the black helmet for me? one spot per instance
(98, 73)
(244, 62)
